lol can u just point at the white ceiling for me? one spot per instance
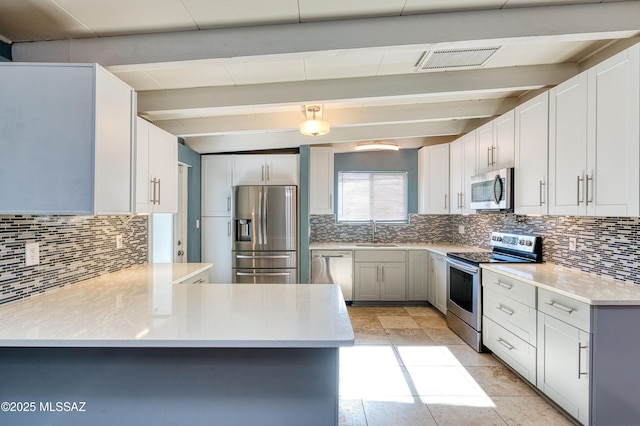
(231, 75)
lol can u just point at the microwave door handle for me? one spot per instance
(497, 183)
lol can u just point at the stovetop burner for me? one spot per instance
(507, 248)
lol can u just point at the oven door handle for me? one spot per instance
(462, 266)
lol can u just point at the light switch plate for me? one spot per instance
(32, 254)
(573, 244)
(119, 241)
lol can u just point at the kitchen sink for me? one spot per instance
(375, 245)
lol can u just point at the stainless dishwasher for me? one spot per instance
(333, 267)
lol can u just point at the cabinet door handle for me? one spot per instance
(229, 229)
(505, 310)
(330, 201)
(228, 203)
(505, 343)
(153, 191)
(382, 280)
(504, 285)
(159, 191)
(262, 173)
(488, 156)
(377, 273)
(493, 155)
(580, 348)
(542, 184)
(268, 172)
(580, 179)
(586, 188)
(560, 307)
(445, 201)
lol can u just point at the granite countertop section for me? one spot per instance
(441, 248)
(142, 307)
(582, 286)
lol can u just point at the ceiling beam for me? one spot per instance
(340, 117)
(293, 139)
(558, 23)
(490, 80)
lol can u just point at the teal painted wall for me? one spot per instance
(303, 192)
(396, 161)
(5, 52)
(188, 156)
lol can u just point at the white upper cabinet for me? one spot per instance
(321, 180)
(66, 145)
(495, 144)
(433, 179)
(594, 157)
(217, 180)
(613, 137)
(462, 166)
(531, 156)
(568, 146)
(157, 169)
(280, 169)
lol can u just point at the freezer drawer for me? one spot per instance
(264, 259)
(265, 276)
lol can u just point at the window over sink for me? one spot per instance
(373, 196)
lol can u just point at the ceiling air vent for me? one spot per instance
(455, 58)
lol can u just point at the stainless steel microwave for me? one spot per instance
(493, 191)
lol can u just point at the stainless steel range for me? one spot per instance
(464, 289)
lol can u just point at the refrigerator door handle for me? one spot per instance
(260, 217)
(264, 217)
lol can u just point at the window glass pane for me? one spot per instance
(367, 196)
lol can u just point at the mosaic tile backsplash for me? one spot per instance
(605, 245)
(72, 249)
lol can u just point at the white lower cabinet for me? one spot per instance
(438, 281)
(563, 365)
(417, 275)
(380, 275)
(216, 247)
(509, 322)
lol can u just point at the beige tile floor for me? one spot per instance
(407, 368)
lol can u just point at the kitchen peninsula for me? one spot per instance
(134, 347)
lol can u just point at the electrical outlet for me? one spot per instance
(118, 241)
(32, 254)
(573, 244)
(460, 229)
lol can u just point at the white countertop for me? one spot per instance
(588, 288)
(141, 307)
(441, 248)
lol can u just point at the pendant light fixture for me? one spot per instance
(377, 146)
(314, 126)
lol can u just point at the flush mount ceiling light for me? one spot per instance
(377, 146)
(314, 126)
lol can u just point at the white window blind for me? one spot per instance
(369, 196)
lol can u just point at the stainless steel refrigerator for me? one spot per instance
(265, 234)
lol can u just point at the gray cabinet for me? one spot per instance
(67, 139)
(380, 275)
(417, 275)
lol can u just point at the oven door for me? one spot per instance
(463, 292)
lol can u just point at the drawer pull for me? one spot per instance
(560, 307)
(505, 343)
(505, 310)
(504, 285)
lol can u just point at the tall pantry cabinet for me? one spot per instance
(217, 176)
